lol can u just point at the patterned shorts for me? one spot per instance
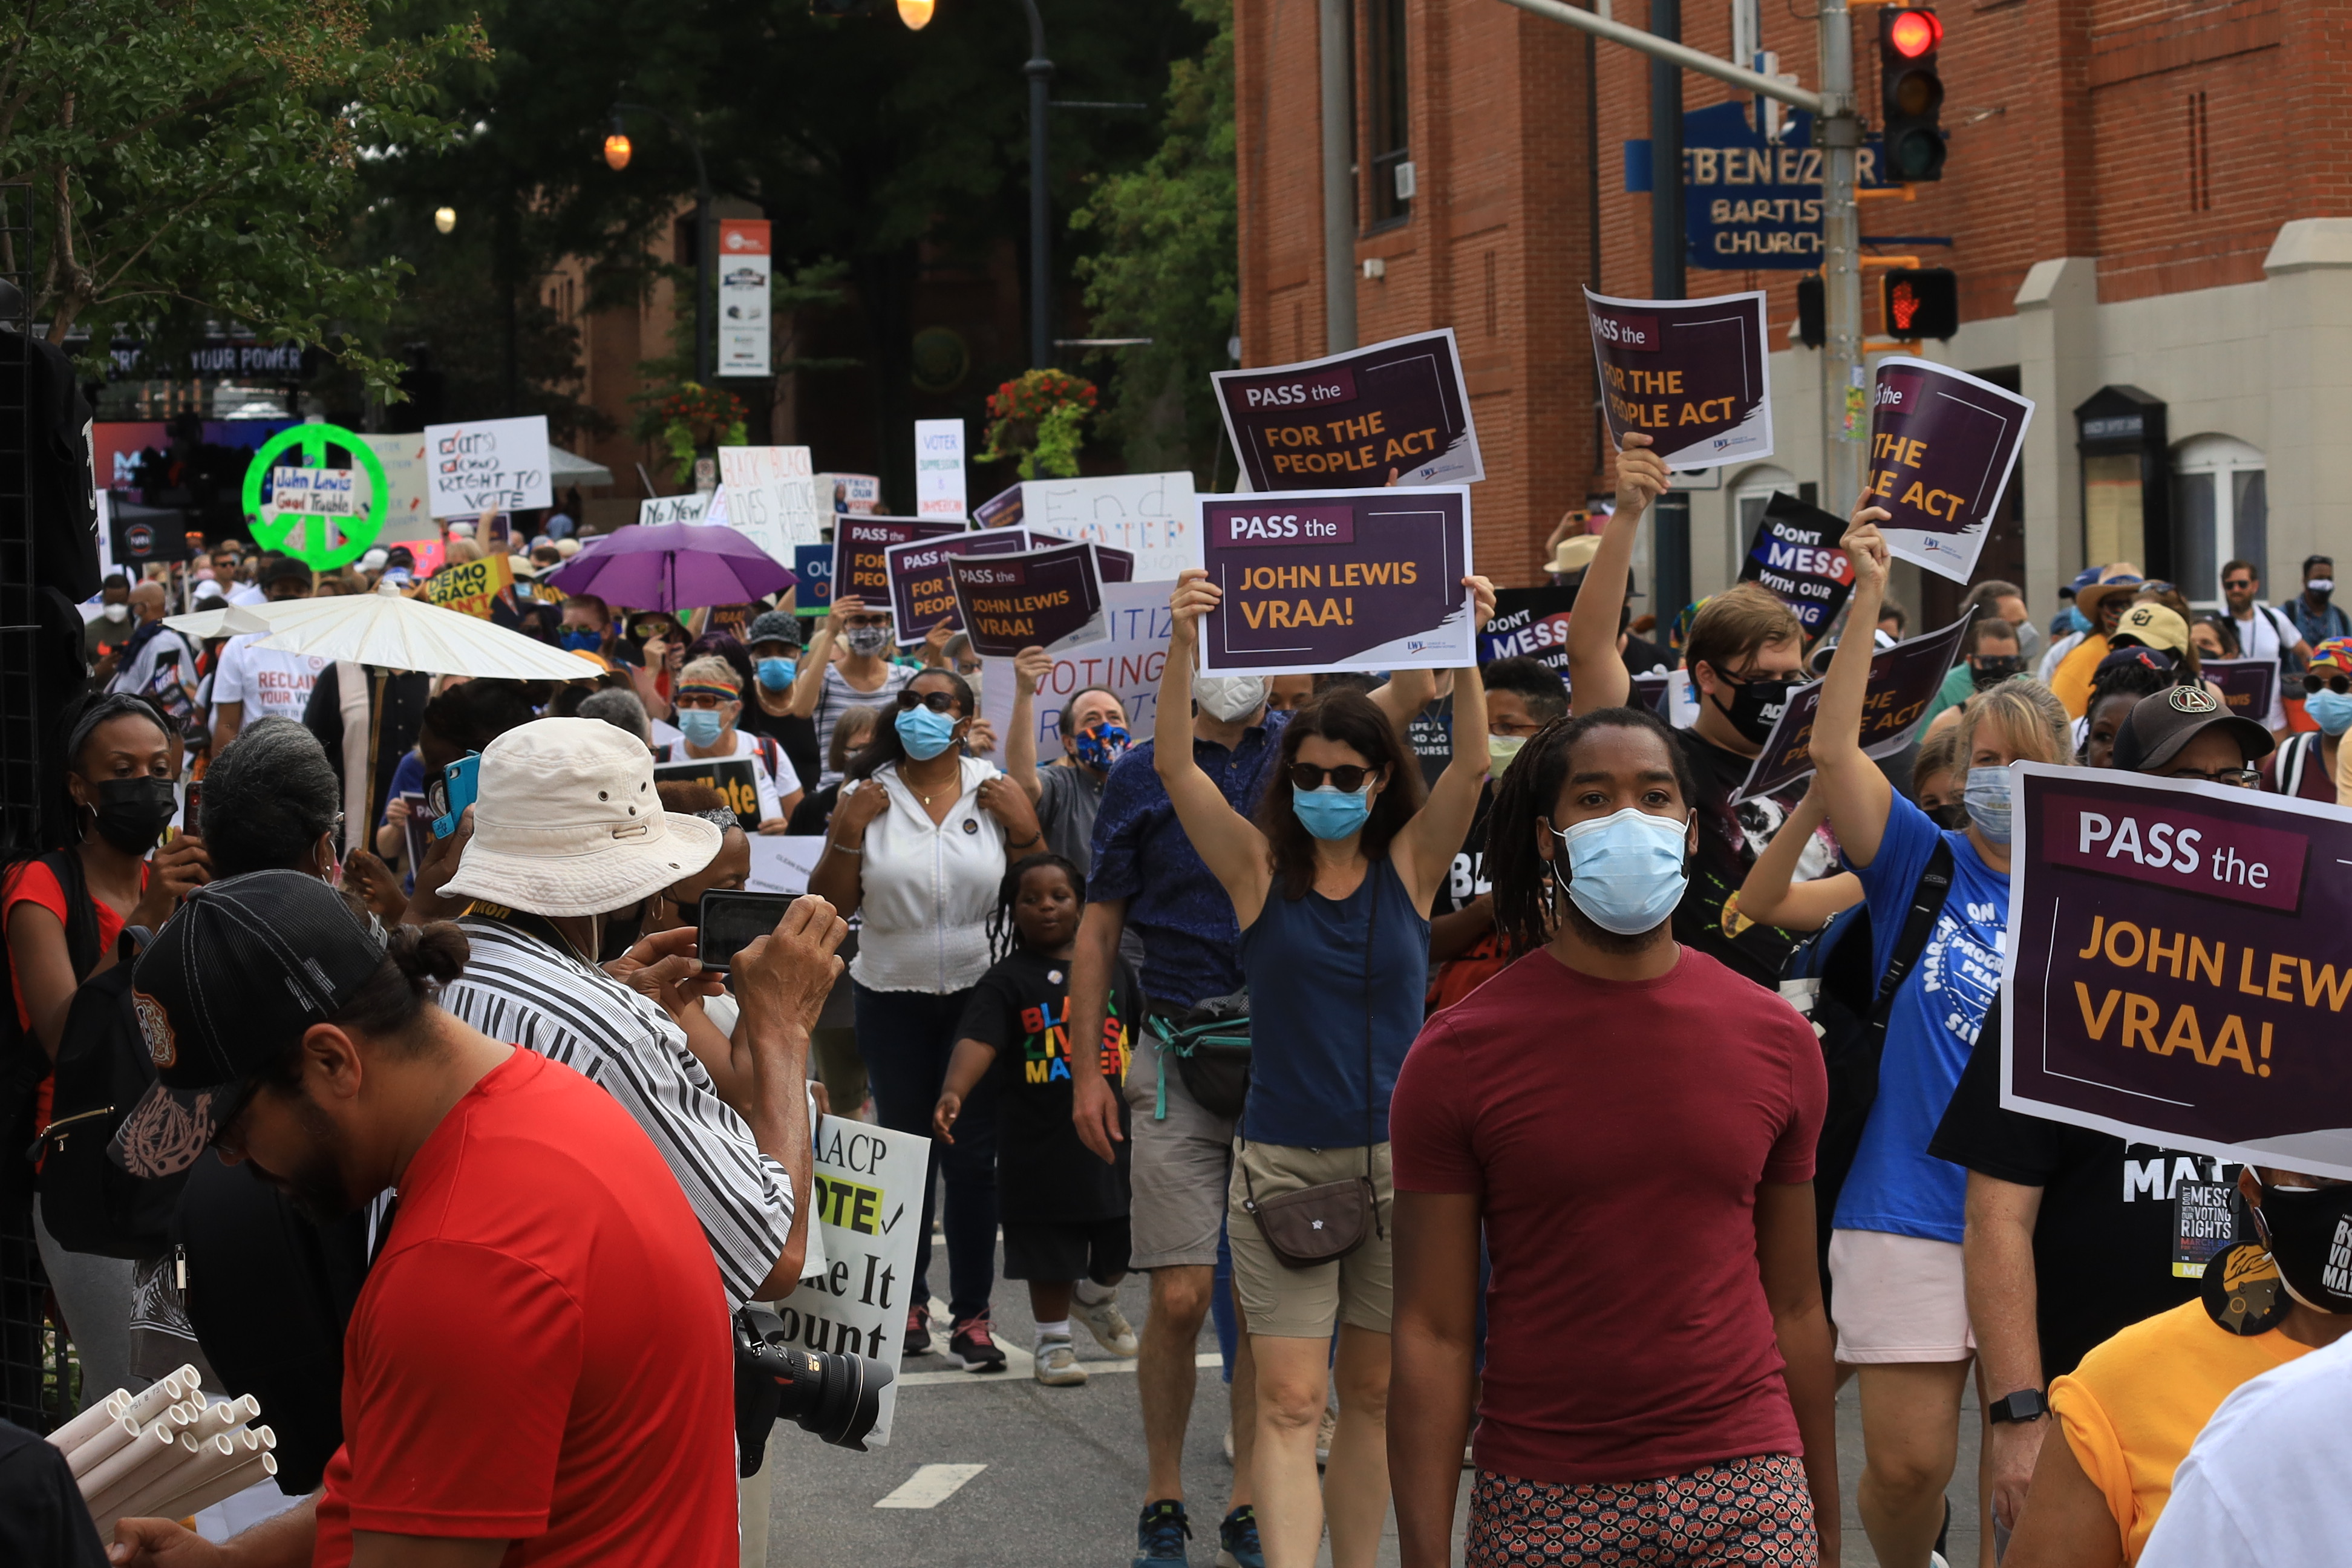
(1742, 1512)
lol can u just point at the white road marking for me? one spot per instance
(930, 1486)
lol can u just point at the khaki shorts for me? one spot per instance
(1305, 1304)
(1897, 1299)
(1177, 1177)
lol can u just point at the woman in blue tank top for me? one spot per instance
(1331, 886)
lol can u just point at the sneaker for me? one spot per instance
(1056, 1364)
(970, 1346)
(1108, 1324)
(919, 1332)
(1323, 1436)
(1160, 1534)
(1237, 1544)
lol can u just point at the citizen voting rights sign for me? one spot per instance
(1903, 680)
(921, 594)
(869, 1204)
(1353, 419)
(1691, 374)
(859, 569)
(939, 469)
(1337, 579)
(1149, 517)
(1942, 447)
(731, 776)
(743, 264)
(1050, 598)
(1796, 555)
(1126, 661)
(2179, 963)
(1529, 623)
(487, 465)
(2248, 685)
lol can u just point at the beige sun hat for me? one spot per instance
(566, 823)
(1575, 552)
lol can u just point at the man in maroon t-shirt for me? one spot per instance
(1631, 1124)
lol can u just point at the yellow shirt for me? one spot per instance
(2135, 1403)
(2071, 680)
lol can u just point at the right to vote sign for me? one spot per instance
(1355, 418)
(1689, 374)
(1942, 447)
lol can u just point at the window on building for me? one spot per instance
(1389, 123)
(2221, 512)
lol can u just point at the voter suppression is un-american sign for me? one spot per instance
(1750, 203)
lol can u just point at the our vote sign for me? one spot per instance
(1529, 623)
(1943, 445)
(1795, 553)
(1050, 598)
(1353, 419)
(1691, 374)
(2178, 966)
(1903, 680)
(1339, 580)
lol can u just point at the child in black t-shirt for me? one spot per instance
(1064, 1211)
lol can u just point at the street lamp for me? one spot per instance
(916, 14)
(444, 218)
(617, 151)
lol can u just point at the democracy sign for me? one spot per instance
(487, 465)
(1529, 623)
(731, 776)
(1339, 580)
(1795, 554)
(1691, 374)
(1126, 661)
(2248, 685)
(1050, 598)
(472, 587)
(1903, 680)
(2179, 961)
(1942, 447)
(868, 1187)
(921, 594)
(1398, 407)
(859, 569)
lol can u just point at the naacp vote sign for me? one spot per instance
(1688, 373)
(2179, 964)
(1943, 445)
(1354, 419)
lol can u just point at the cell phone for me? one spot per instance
(458, 782)
(731, 921)
(191, 820)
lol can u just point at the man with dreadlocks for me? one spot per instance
(1631, 1125)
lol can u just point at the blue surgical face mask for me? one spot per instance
(1330, 812)
(775, 674)
(1987, 803)
(580, 639)
(1626, 870)
(924, 733)
(2331, 710)
(700, 726)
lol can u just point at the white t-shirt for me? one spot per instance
(247, 594)
(772, 786)
(271, 684)
(167, 650)
(2257, 638)
(925, 891)
(2264, 1485)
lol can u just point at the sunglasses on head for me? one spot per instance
(937, 701)
(2335, 683)
(1347, 778)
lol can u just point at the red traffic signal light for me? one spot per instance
(1914, 33)
(1920, 301)
(1910, 93)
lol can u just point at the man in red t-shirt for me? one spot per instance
(540, 1362)
(1632, 1126)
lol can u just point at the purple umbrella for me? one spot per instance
(672, 566)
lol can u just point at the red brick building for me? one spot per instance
(2149, 202)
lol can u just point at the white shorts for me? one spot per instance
(1897, 1299)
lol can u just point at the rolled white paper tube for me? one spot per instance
(228, 1484)
(135, 1455)
(90, 1422)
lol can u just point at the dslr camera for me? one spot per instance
(836, 1397)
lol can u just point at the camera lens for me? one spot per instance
(837, 1397)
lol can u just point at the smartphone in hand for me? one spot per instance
(453, 792)
(731, 921)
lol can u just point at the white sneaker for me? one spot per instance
(1057, 1364)
(1108, 1324)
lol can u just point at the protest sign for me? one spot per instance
(2248, 685)
(1001, 510)
(2179, 961)
(1942, 447)
(408, 509)
(655, 511)
(1354, 418)
(784, 862)
(1795, 554)
(316, 492)
(868, 1191)
(849, 492)
(1337, 579)
(472, 587)
(744, 265)
(487, 465)
(813, 564)
(1529, 623)
(770, 497)
(1050, 598)
(1152, 517)
(1126, 661)
(939, 469)
(1654, 690)
(1691, 374)
(1903, 680)
(1115, 566)
(731, 776)
(921, 597)
(858, 569)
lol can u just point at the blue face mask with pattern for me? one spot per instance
(1102, 745)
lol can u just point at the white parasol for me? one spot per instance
(387, 629)
(225, 621)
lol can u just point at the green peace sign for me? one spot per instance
(278, 530)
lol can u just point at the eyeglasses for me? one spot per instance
(2241, 777)
(2335, 683)
(2238, 585)
(937, 701)
(1347, 778)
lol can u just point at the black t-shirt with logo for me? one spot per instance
(1022, 1007)
(1730, 838)
(2123, 1230)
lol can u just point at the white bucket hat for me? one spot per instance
(566, 823)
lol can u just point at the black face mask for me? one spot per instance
(1988, 670)
(620, 934)
(134, 813)
(1952, 813)
(1755, 706)
(689, 911)
(2309, 1233)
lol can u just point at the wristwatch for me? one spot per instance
(2025, 1404)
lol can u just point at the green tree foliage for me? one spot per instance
(1167, 265)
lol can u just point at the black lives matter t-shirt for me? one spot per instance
(1022, 1008)
(1730, 838)
(2123, 1230)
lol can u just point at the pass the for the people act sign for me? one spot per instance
(1396, 408)
(1691, 374)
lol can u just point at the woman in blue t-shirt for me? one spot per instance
(1331, 886)
(1896, 1296)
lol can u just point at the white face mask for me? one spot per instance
(1229, 699)
(117, 613)
(2321, 587)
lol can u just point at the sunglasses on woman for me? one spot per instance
(937, 701)
(2335, 683)
(1347, 778)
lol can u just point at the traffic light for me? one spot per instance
(1920, 301)
(1910, 93)
(1812, 312)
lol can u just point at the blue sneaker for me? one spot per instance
(1160, 1534)
(1237, 1540)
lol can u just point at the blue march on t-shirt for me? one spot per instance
(1896, 1185)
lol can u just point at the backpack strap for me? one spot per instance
(1926, 904)
(81, 919)
(2293, 758)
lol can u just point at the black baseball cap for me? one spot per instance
(246, 967)
(2160, 725)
